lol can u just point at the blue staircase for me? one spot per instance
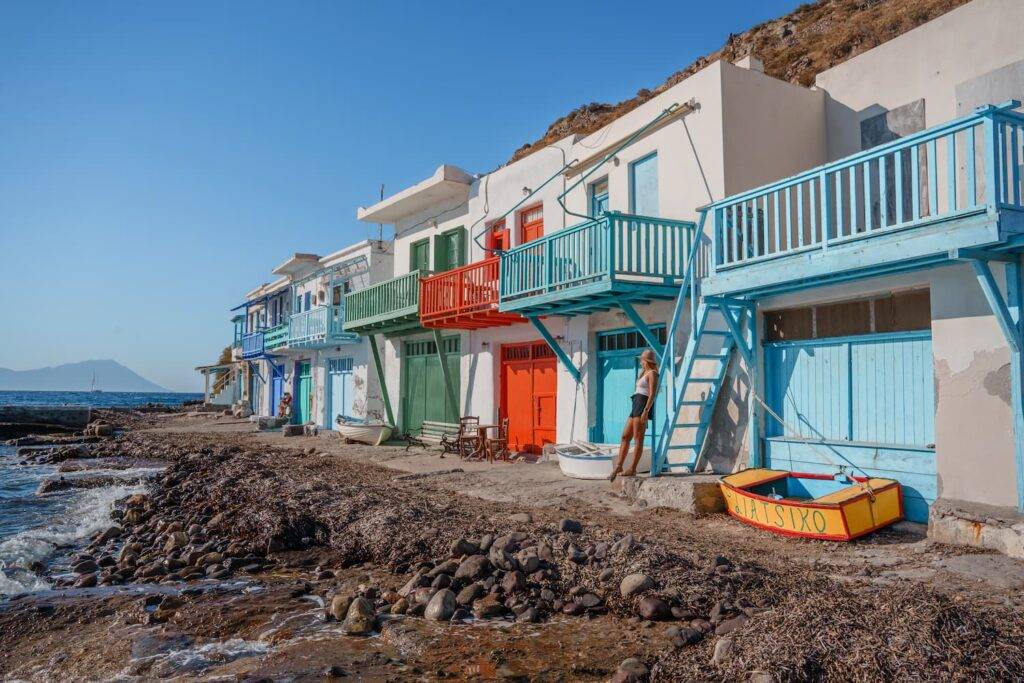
(691, 385)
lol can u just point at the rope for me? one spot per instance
(796, 433)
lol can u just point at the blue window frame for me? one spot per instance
(307, 301)
(599, 197)
(643, 185)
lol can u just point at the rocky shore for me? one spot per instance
(252, 562)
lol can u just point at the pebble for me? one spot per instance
(680, 636)
(654, 609)
(589, 600)
(730, 625)
(442, 606)
(723, 651)
(521, 518)
(635, 584)
(337, 609)
(631, 670)
(361, 618)
(571, 526)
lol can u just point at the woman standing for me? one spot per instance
(636, 424)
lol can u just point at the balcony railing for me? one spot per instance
(966, 167)
(320, 326)
(385, 306)
(615, 248)
(252, 345)
(275, 337)
(464, 298)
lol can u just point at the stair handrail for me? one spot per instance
(667, 364)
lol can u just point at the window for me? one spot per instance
(336, 295)
(419, 255)
(599, 197)
(450, 250)
(905, 311)
(307, 300)
(643, 180)
(531, 224)
(498, 237)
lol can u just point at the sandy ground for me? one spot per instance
(893, 605)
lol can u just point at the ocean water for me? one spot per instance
(101, 399)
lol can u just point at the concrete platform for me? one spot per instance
(691, 493)
(981, 526)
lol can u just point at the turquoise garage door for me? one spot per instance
(863, 402)
(617, 372)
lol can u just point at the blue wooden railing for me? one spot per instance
(319, 325)
(968, 166)
(252, 344)
(612, 247)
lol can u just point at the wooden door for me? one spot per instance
(303, 392)
(531, 224)
(529, 395)
(424, 397)
(340, 390)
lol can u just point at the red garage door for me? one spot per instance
(529, 384)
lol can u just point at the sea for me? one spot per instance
(47, 529)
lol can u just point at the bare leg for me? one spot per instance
(627, 435)
(638, 449)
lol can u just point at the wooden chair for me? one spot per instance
(469, 436)
(497, 445)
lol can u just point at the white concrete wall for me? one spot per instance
(926, 63)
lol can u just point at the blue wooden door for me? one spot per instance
(866, 403)
(276, 387)
(644, 186)
(618, 368)
(340, 390)
(255, 395)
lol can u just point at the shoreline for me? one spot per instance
(256, 556)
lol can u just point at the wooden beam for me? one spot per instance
(566, 361)
(449, 390)
(644, 330)
(382, 379)
(999, 308)
(737, 334)
(981, 255)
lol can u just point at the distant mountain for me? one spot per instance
(110, 376)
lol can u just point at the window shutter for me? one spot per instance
(441, 252)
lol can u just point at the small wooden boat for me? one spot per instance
(585, 460)
(363, 431)
(822, 506)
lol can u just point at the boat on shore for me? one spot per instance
(363, 431)
(585, 460)
(820, 506)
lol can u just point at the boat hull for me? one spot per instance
(846, 512)
(594, 464)
(373, 434)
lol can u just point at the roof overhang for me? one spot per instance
(449, 183)
(297, 265)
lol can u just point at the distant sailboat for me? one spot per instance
(95, 389)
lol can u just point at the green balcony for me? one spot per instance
(275, 337)
(390, 308)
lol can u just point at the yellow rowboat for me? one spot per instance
(812, 505)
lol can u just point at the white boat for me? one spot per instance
(355, 429)
(585, 460)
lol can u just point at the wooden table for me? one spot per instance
(481, 447)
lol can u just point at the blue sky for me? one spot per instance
(158, 159)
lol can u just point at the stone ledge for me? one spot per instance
(977, 525)
(692, 493)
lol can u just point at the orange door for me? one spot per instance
(529, 395)
(498, 238)
(531, 224)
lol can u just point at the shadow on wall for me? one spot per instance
(726, 450)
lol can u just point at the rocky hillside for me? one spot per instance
(796, 47)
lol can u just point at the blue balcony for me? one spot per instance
(596, 265)
(252, 345)
(319, 327)
(922, 200)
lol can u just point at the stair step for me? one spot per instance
(717, 333)
(689, 425)
(694, 403)
(711, 356)
(704, 380)
(682, 446)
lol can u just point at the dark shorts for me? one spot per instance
(639, 403)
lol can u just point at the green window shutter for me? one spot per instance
(441, 252)
(419, 255)
(450, 250)
(461, 257)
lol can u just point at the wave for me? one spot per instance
(88, 513)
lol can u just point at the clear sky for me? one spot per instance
(158, 159)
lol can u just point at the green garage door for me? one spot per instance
(423, 390)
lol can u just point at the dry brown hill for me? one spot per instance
(795, 47)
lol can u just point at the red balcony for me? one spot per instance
(464, 299)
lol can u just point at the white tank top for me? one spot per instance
(643, 385)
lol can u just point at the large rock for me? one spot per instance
(631, 670)
(176, 540)
(461, 547)
(488, 607)
(293, 430)
(446, 567)
(730, 625)
(634, 584)
(338, 607)
(513, 582)
(723, 651)
(654, 609)
(360, 619)
(472, 568)
(571, 526)
(442, 606)
(470, 593)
